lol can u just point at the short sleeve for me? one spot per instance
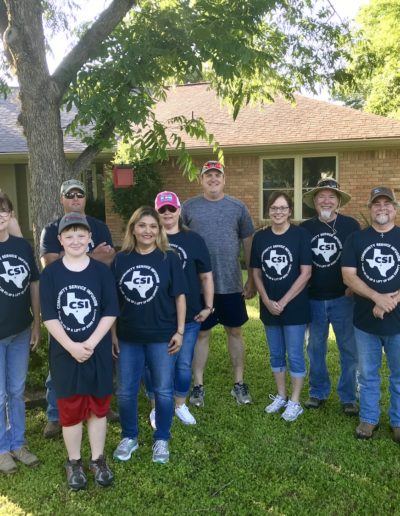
(48, 301)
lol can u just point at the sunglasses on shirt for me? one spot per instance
(74, 195)
(163, 209)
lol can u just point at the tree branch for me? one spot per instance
(88, 45)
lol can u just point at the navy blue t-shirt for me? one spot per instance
(377, 259)
(326, 244)
(195, 260)
(79, 300)
(279, 257)
(49, 242)
(147, 287)
(17, 270)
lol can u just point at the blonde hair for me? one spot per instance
(129, 242)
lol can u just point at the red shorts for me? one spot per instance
(80, 407)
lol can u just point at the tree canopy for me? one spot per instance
(124, 62)
(372, 78)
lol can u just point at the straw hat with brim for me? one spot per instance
(326, 184)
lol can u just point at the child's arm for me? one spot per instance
(76, 349)
(103, 327)
(114, 338)
(35, 304)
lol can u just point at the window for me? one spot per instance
(295, 176)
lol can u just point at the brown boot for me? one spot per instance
(52, 429)
(365, 430)
(396, 434)
(7, 464)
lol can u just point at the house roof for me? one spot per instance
(12, 139)
(308, 121)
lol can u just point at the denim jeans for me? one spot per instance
(52, 409)
(183, 366)
(14, 358)
(339, 313)
(287, 339)
(130, 368)
(369, 349)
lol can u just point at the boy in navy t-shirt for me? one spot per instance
(79, 306)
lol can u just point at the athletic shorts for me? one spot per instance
(78, 408)
(230, 310)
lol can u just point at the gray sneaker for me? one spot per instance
(25, 456)
(241, 393)
(160, 452)
(125, 449)
(103, 475)
(7, 464)
(197, 396)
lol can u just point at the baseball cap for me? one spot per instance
(212, 165)
(73, 219)
(379, 191)
(72, 184)
(167, 199)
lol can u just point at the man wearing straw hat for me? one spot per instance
(331, 302)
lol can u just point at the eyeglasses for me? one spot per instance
(167, 207)
(74, 195)
(275, 209)
(4, 214)
(330, 183)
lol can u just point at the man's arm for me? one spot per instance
(385, 302)
(103, 253)
(249, 289)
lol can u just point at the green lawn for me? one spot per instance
(236, 460)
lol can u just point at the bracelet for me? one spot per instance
(211, 308)
(179, 333)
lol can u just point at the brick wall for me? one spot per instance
(359, 171)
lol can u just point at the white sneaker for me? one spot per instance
(292, 412)
(278, 403)
(152, 418)
(184, 415)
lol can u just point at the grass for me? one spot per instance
(236, 460)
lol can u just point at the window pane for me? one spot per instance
(315, 169)
(278, 174)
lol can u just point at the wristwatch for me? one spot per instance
(211, 308)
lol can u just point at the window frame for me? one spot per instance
(298, 179)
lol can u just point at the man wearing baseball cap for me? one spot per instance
(371, 268)
(330, 301)
(225, 224)
(73, 200)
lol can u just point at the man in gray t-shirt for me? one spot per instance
(224, 222)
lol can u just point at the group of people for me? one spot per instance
(152, 306)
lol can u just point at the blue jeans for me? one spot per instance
(183, 366)
(339, 313)
(369, 349)
(287, 339)
(130, 368)
(52, 409)
(14, 358)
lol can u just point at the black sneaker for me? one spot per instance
(197, 396)
(103, 475)
(76, 477)
(241, 394)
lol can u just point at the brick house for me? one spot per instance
(286, 147)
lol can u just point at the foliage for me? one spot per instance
(148, 183)
(372, 78)
(236, 460)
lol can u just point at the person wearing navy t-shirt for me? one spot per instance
(100, 247)
(152, 288)
(281, 262)
(196, 264)
(371, 268)
(19, 300)
(331, 302)
(79, 305)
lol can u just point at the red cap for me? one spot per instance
(167, 199)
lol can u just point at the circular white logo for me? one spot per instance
(14, 275)
(139, 284)
(380, 262)
(326, 250)
(77, 307)
(277, 262)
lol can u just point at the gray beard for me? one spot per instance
(382, 219)
(326, 214)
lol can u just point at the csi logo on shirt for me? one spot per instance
(326, 250)
(277, 262)
(77, 307)
(139, 284)
(380, 262)
(181, 253)
(14, 275)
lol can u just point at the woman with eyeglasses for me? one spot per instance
(196, 264)
(19, 333)
(281, 262)
(150, 329)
